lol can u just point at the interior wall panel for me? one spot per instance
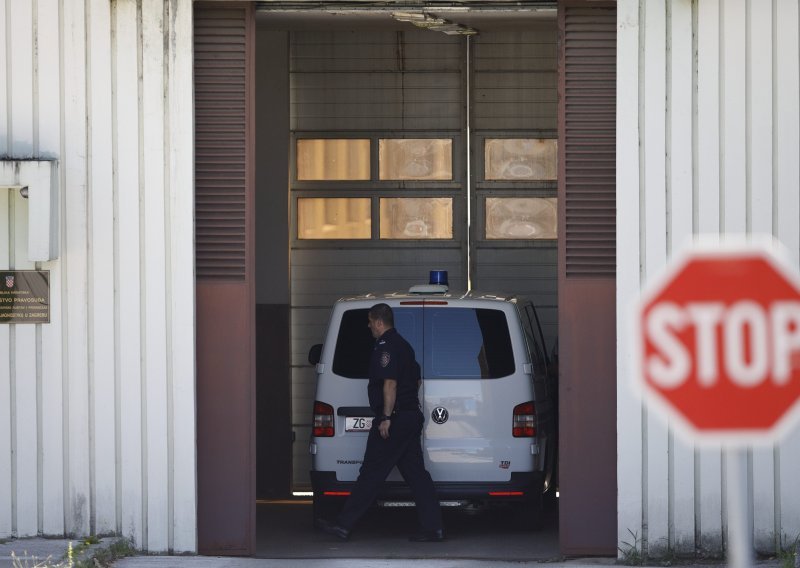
(273, 388)
(375, 81)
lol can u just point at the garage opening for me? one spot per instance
(341, 151)
(404, 150)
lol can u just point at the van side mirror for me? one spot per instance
(315, 353)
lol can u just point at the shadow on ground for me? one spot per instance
(285, 530)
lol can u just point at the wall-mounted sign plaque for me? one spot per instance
(24, 296)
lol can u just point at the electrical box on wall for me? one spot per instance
(35, 183)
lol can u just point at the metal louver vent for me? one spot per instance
(220, 142)
(590, 142)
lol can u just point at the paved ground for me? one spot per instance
(286, 539)
(285, 531)
(31, 552)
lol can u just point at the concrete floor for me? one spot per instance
(285, 530)
(286, 537)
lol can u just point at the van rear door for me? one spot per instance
(471, 383)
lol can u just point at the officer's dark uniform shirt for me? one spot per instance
(393, 358)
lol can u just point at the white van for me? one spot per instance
(488, 400)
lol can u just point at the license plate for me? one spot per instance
(357, 423)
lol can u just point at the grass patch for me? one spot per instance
(79, 556)
(120, 548)
(631, 550)
(788, 555)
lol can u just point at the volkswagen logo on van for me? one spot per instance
(440, 415)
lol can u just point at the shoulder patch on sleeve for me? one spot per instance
(385, 358)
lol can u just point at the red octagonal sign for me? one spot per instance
(719, 343)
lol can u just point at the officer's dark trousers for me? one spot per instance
(402, 449)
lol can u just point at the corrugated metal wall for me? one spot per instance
(99, 404)
(708, 139)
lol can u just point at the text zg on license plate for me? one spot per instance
(357, 423)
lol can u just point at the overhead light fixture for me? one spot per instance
(432, 22)
(408, 16)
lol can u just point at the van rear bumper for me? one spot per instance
(521, 487)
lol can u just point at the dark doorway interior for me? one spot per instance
(279, 447)
(370, 79)
(274, 438)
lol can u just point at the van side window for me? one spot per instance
(533, 332)
(467, 343)
(353, 345)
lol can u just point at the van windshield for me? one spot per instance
(449, 343)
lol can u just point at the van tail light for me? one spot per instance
(323, 420)
(524, 424)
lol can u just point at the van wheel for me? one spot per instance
(327, 508)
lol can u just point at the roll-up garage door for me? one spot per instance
(377, 178)
(513, 125)
(381, 162)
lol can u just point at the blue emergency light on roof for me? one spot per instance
(438, 284)
(438, 277)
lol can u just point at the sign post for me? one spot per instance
(718, 354)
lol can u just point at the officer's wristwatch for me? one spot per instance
(384, 417)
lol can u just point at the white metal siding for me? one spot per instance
(708, 137)
(101, 435)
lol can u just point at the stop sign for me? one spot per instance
(718, 343)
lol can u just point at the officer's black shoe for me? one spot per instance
(428, 536)
(332, 529)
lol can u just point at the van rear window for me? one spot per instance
(460, 343)
(467, 343)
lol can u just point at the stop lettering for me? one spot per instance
(719, 342)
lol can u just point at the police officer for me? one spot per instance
(394, 439)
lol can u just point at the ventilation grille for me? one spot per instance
(590, 142)
(220, 143)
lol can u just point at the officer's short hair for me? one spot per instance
(383, 313)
